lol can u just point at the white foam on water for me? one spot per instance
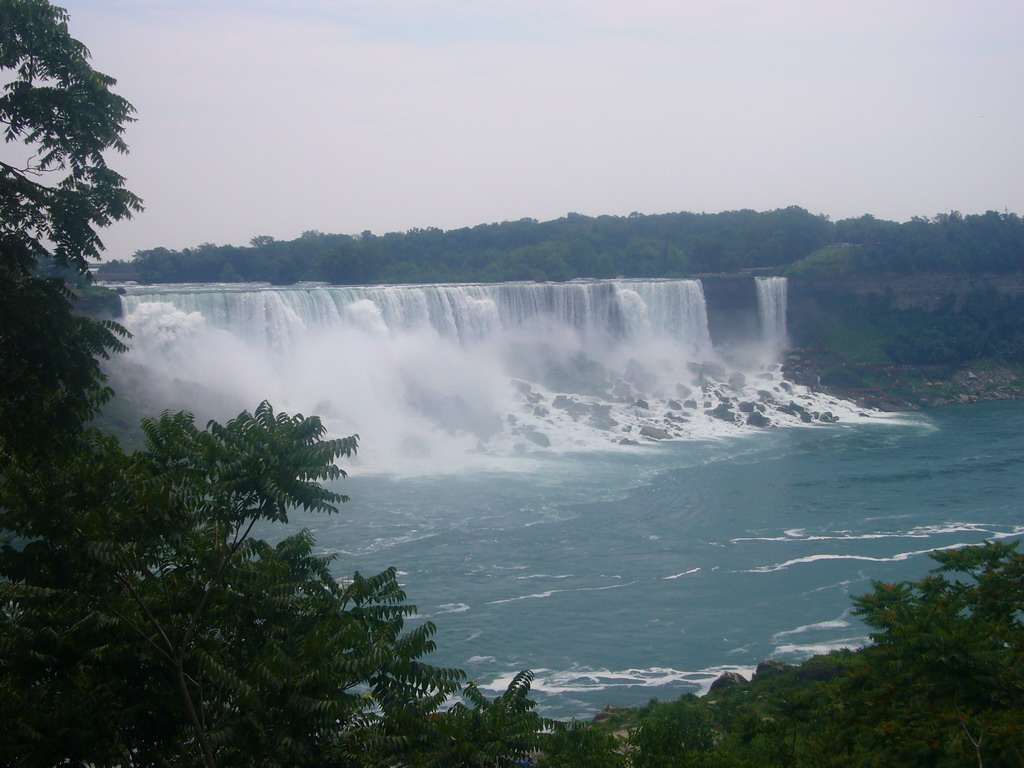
(679, 575)
(918, 532)
(861, 578)
(867, 558)
(583, 679)
(798, 653)
(546, 576)
(535, 596)
(550, 592)
(449, 608)
(840, 623)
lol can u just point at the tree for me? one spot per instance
(137, 589)
(680, 734)
(64, 117)
(943, 683)
(579, 745)
(496, 733)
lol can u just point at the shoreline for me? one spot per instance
(902, 388)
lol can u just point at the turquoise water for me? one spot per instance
(624, 575)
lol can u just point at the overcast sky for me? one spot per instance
(271, 117)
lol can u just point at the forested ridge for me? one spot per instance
(788, 241)
(143, 623)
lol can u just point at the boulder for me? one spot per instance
(573, 407)
(655, 433)
(758, 419)
(795, 409)
(737, 381)
(690, 404)
(770, 667)
(606, 714)
(675, 405)
(746, 407)
(537, 438)
(728, 680)
(724, 412)
(602, 421)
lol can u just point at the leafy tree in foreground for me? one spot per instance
(943, 683)
(484, 733)
(140, 609)
(62, 117)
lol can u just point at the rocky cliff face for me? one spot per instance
(732, 299)
(844, 331)
(97, 301)
(928, 292)
(732, 308)
(810, 297)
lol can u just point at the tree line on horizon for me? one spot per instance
(786, 241)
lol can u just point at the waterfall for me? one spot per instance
(771, 306)
(466, 313)
(447, 375)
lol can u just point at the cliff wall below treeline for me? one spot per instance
(732, 299)
(899, 341)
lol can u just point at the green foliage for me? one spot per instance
(239, 652)
(989, 325)
(944, 682)
(65, 115)
(831, 261)
(484, 733)
(61, 115)
(678, 734)
(576, 745)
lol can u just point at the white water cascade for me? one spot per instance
(771, 306)
(443, 376)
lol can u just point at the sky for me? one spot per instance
(273, 117)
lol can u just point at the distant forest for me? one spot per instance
(787, 241)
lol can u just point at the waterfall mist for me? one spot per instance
(440, 377)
